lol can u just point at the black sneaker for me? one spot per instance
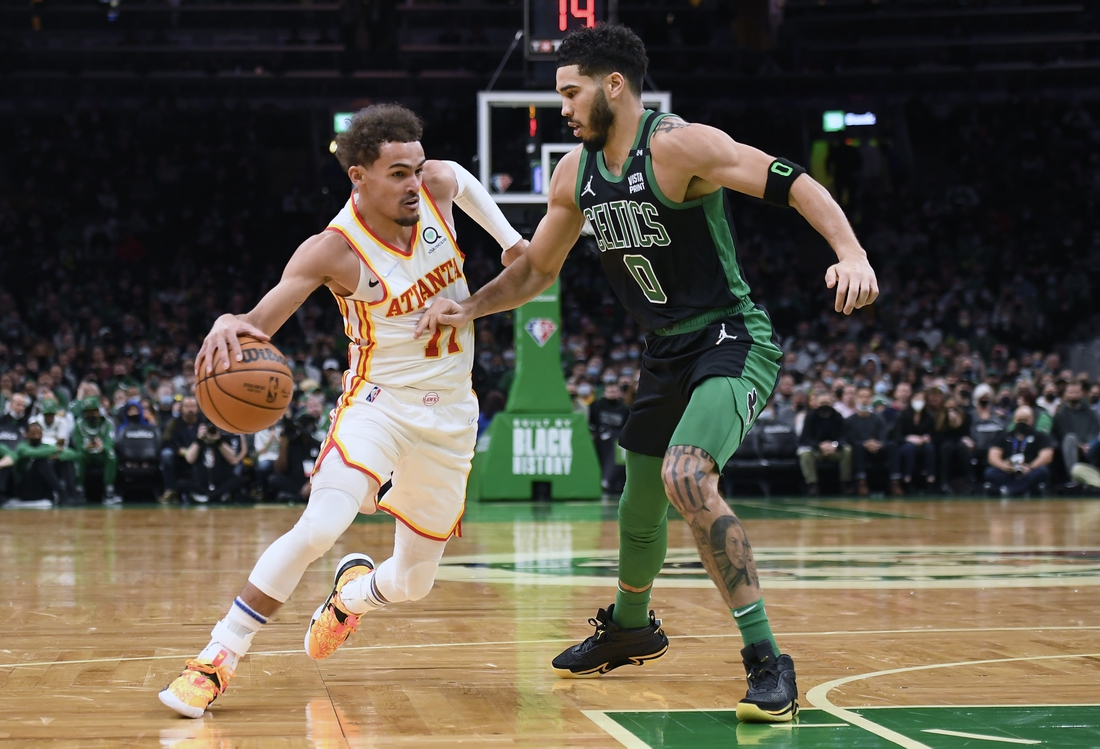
(610, 647)
(773, 694)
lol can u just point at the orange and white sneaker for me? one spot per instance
(201, 683)
(332, 624)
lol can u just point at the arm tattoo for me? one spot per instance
(687, 469)
(669, 124)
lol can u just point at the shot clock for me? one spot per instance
(546, 22)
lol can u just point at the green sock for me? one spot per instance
(631, 609)
(753, 623)
(643, 537)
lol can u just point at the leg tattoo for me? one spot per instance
(691, 481)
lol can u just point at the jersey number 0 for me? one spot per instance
(642, 270)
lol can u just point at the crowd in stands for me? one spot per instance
(123, 236)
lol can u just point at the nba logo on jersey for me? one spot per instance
(541, 329)
(373, 394)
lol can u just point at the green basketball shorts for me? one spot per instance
(740, 347)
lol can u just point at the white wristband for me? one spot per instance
(475, 202)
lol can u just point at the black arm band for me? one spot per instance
(781, 175)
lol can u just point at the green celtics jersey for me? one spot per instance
(93, 440)
(666, 261)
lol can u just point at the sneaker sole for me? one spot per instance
(598, 671)
(750, 713)
(181, 707)
(349, 561)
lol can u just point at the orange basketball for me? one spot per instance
(252, 394)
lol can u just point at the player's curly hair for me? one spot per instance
(369, 128)
(604, 49)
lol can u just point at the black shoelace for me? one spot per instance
(764, 675)
(601, 628)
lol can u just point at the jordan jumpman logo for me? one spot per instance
(588, 189)
(723, 335)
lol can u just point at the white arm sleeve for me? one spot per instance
(475, 202)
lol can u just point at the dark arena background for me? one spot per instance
(162, 160)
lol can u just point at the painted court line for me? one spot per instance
(558, 641)
(616, 731)
(979, 736)
(819, 695)
(628, 739)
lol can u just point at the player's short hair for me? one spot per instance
(372, 126)
(604, 49)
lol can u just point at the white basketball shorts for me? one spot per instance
(424, 439)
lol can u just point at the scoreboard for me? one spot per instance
(546, 22)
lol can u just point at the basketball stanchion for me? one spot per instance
(537, 447)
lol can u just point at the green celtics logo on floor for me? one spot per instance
(1062, 726)
(824, 568)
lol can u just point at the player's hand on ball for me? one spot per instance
(510, 255)
(855, 282)
(223, 339)
(441, 312)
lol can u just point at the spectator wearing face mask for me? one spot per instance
(165, 402)
(985, 426)
(868, 434)
(215, 457)
(43, 472)
(956, 447)
(179, 435)
(94, 444)
(913, 432)
(55, 428)
(1049, 400)
(130, 414)
(583, 398)
(1042, 420)
(823, 439)
(1019, 459)
(1075, 427)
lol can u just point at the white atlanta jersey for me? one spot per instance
(395, 285)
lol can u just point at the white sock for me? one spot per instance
(232, 636)
(360, 595)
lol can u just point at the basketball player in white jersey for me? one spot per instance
(407, 408)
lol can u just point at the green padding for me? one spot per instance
(537, 439)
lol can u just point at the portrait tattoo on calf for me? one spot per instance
(731, 549)
(724, 548)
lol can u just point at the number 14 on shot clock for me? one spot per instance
(546, 22)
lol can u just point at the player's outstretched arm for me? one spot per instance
(315, 262)
(715, 157)
(475, 201)
(533, 271)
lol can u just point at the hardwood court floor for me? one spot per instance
(882, 605)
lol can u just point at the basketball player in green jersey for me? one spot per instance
(653, 188)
